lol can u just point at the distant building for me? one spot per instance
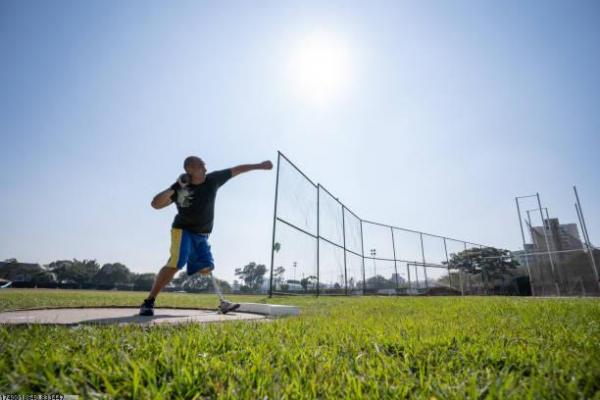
(293, 285)
(560, 236)
(524, 257)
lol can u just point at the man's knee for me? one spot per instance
(168, 269)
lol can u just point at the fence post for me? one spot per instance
(362, 249)
(274, 224)
(548, 244)
(344, 234)
(416, 275)
(395, 262)
(462, 282)
(447, 263)
(587, 246)
(525, 247)
(586, 237)
(423, 255)
(318, 238)
(539, 265)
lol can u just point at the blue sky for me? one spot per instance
(451, 110)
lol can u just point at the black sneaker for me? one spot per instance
(226, 306)
(147, 308)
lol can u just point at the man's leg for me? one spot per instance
(179, 253)
(180, 249)
(164, 276)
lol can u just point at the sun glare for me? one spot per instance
(320, 68)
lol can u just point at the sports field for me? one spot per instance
(358, 347)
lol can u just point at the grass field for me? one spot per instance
(359, 347)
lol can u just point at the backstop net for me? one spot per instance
(320, 246)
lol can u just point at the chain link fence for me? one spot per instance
(320, 246)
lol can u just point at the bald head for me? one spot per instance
(192, 160)
(195, 166)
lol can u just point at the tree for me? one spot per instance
(143, 281)
(14, 271)
(449, 280)
(252, 275)
(112, 274)
(223, 285)
(397, 277)
(380, 282)
(43, 277)
(54, 265)
(62, 270)
(76, 271)
(489, 262)
(310, 280)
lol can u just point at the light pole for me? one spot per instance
(295, 265)
(373, 254)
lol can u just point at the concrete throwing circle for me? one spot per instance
(119, 315)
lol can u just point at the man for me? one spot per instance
(194, 194)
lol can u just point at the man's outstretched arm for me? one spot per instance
(250, 167)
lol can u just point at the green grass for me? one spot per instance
(359, 347)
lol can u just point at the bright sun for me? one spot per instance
(320, 68)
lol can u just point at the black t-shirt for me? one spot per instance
(196, 203)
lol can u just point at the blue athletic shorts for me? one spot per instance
(190, 248)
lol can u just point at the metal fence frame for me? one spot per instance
(553, 255)
(318, 237)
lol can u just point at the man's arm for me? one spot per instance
(250, 167)
(162, 199)
(166, 197)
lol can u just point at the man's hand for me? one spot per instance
(250, 167)
(163, 199)
(183, 180)
(266, 165)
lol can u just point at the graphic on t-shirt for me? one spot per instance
(196, 202)
(184, 197)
